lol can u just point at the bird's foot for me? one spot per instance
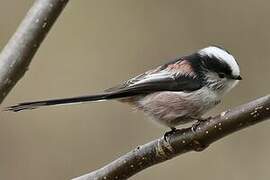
(169, 133)
(198, 122)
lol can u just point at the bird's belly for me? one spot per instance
(174, 108)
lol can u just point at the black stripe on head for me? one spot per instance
(196, 63)
(216, 65)
(201, 63)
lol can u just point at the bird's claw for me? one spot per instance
(198, 122)
(168, 133)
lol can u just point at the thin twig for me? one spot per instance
(183, 140)
(19, 51)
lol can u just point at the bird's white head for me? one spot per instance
(223, 71)
(222, 55)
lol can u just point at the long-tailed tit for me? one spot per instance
(175, 93)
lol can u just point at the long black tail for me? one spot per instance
(80, 99)
(134, 90)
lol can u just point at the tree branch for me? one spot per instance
(19, 51)
(184, 140)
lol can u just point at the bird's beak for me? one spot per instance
(237, 78)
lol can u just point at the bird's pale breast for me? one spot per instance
(174, 108)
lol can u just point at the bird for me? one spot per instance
(178, 92)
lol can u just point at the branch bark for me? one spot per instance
(183, 140)
(19, 51)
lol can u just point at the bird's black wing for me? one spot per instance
(177, 76)
(154, 84)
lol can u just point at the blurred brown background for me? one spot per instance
(98, 43)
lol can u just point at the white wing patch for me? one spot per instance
(153, 77)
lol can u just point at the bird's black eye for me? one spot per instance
(221, 75)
